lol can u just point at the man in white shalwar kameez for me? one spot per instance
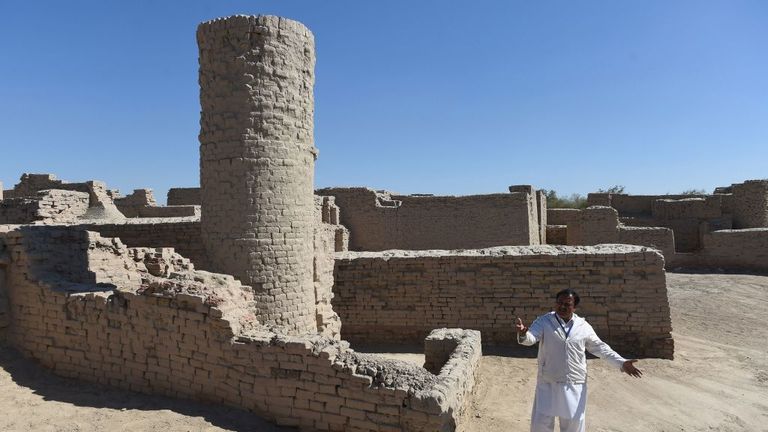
(561, 386)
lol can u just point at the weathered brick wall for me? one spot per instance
(632, 205)
(708, 207)
(5, 316)
(101, 204)
(662, 239)
(183, 196)
(141, 319)
(30, 184)
(750, 204)
(541, 204)
(561, 216)
(600, 225)
(594, 225)
(399, 296)
(744, 249)
(47, 207)
(183, 236)
(329, 238)
(537, 213)
(257, 159)
(557, 234)
(170, 211)
(19, 210)
(130, 205)
(380, 221)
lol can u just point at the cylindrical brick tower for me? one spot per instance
(257, 160)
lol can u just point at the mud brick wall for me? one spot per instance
(183, 196)
(141, 203)
(689, 218)
(659, 238)
(600, 225)
(19, 210)
(745, 249)
(5, 317)
(557, 234)
(131, 205)
(538, 210)
(750, 204)
(688, 208)
(257, 159)
(329, 238)
(400, 296)
(184, 237)
(557, 220)
(143, 320)
(47, 207)
(30, 184)
(541, 205)
(170, 211)
(632, 205)
(595, 225)
(561, 216)
(380, 221)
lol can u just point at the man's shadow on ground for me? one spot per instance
(28, 373)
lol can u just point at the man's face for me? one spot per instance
(565, 305)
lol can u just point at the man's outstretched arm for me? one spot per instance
(597, 347)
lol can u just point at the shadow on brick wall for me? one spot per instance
(29, 374)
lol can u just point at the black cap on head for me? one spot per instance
(568, 293)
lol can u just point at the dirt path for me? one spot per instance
(717, 382)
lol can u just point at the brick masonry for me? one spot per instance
(400, 296)
(380, 220)
(600, 225)
(143, 319)
(183, 196)
(738, 206)
(257, 161)
(46, 207)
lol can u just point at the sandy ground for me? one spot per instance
(717, 382)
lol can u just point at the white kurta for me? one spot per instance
(561, 382)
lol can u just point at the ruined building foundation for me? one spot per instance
(257, 161)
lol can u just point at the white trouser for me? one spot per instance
(543, 423)
(567, 402)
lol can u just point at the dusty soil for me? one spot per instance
(717, 382)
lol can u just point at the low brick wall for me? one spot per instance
(380, 221)
(561, 216)
(400, 296)
(142, 319)
(184, 196)
(169, 211)
(47, 207)
(183, 236)
(745, 249)
(659, 238)
(557, 234)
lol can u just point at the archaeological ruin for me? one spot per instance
(253, 289)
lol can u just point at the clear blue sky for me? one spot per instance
(435, 97)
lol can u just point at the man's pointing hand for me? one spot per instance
(521, 328)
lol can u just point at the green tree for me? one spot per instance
(615, 189)
(693, 192)
(572, 201)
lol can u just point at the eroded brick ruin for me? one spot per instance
(257, 160)
(245, 292)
